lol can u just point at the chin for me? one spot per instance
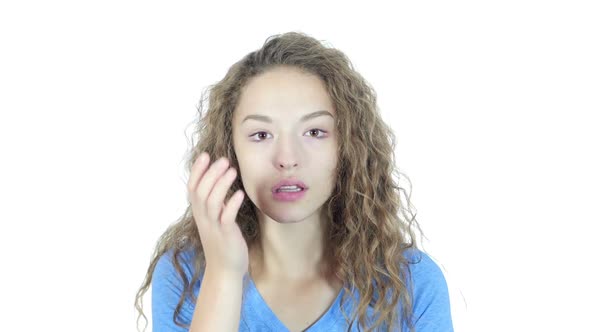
(281, 216)
(284, 214)
(287, 221)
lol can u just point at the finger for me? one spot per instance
(230, 211)
(197, 170)
(218, 193)
(205, 186)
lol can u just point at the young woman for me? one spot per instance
(295, 219)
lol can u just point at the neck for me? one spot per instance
(291, 252)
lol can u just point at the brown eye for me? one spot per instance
(262, 135)
(258, 135)
(318, 131)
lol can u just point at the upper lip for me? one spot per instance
(289, 182)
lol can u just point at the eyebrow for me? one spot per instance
(306, 117)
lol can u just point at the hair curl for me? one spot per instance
(368, 227)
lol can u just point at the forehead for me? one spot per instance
(284, 90)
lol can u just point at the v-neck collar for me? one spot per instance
(265, 313)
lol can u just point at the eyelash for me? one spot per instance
(256, 133)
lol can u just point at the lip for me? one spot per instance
(288, 196)
(289, 182)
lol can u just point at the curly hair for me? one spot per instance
(369, 227)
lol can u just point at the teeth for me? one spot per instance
(289, 189)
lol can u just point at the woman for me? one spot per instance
(295, 220)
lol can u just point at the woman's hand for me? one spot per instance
(225, 249)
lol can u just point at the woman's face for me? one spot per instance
(284, 128)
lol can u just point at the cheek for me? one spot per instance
(249, 174)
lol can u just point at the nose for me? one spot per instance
(285, 157)
(288, 165)
(286, 161)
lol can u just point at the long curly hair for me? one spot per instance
(369, 228)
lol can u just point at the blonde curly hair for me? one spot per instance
(368, 229)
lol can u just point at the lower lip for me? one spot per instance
(287, 196)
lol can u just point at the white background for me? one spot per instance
(488, 100)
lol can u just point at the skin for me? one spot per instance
(291, 245)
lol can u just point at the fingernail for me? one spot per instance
(201, 158)
(222, 161)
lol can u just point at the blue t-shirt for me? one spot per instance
(431, 304)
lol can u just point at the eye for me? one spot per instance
(258, 134)
(263, 134)
(317, 130)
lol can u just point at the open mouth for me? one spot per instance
(289, 189)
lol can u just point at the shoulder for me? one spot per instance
(422, 266)
(428, 286)
(167, 289)
(165, 265)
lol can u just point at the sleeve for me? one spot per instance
(431, 308)
(166, 292)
